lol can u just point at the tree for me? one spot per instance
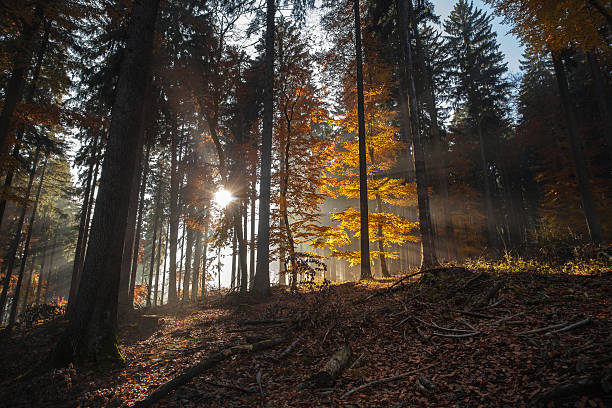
(428, 255)
(366, 273)
(476, 68)
(261, 285)
(554, 26)
(91, 332)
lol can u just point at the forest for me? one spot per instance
(306, 203)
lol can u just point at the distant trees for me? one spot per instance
(478, 89)
(555, 28)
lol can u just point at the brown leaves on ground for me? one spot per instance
(397, 332)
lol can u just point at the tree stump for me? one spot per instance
(148, 322)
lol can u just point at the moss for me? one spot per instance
(243, 307)
(109, 352)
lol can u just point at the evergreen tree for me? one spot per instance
(475, 68)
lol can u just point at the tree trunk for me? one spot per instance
(252, 241)
(12, 252)
(165, 264)
(130, 234)
(233, 278)
(159, 245)
(92, 329)
(174, 220)
(486, 179)
(41, 273)
(89, 184)
(428, 253)
(188, 252)
(584, 185)
(243, 248)
(153, 241)
(51, 259)
(24, 304)
(600, 90)
(81, 260)
(197, 258)
(261, 285)
(384, 270)
(366, 272)
(136, 246)
(205, 258)
(26, 247)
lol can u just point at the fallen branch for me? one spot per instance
(228, 386)
(289, 349)
(390, 288)
(256, 328)
(435, 326)
(543, 329)
(261, 392)
(381, 381)
(264, 321)
(473, 314)
(199, 368)
(503, 319)
(456, 335)
(571, 326)
(327, 376)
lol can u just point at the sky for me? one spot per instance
(509, 44)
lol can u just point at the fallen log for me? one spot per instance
(594, 385)
(327, 376)
(202, 366)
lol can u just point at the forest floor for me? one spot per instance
(497, 359)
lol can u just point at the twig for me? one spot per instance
(261, 393)
(543, 329)
(435, 326)
(456, 335)
(473, 314)
(503, 319)
(289, 349)
(381, 381)
(256, 328)
(481, 274)
(231, 387)
(329, 330)
(571, 326)
(501, 299)
(390, 288)
(264, 321)
(356, 361)
(466, 323)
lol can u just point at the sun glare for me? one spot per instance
(223, 198)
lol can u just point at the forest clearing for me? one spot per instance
(279, 203)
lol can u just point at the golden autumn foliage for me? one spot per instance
(555, 25)
(341, 175)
